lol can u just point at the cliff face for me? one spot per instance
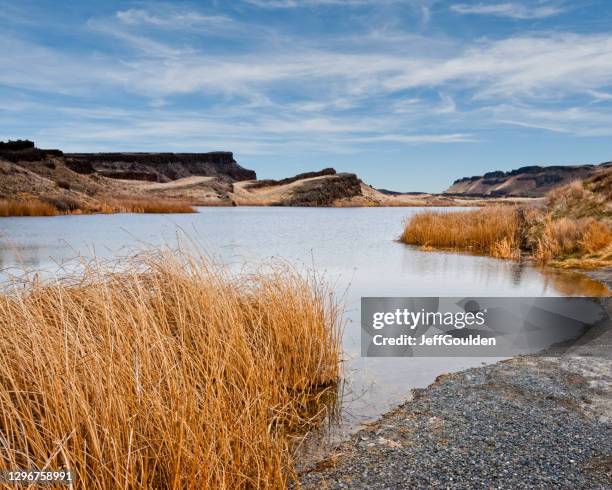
(30, 173)
(325, 191)
(532, 181)
(159, 167)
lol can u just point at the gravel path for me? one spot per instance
(531, 422)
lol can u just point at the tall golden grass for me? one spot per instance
(590, 198)
(26, 208)
(572, 238)
(492, 230)
(55, 206)
(509, 232)
(169, 374)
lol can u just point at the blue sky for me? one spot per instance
(409, 94)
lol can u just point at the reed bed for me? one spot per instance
(54, 206)
(170, 373)
(26, 208)
(491, 230)
(583, 242)
(509, 232)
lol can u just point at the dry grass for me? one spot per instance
(26, 208)
(150, 206)
(508, 233)
(169, 374)
(577, 243)
(50, 206)
(573, 231)
(491, 230)
(580, 199)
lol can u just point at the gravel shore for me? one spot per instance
(541, 421)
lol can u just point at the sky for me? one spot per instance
(408, 94)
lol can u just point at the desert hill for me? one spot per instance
(532, 181)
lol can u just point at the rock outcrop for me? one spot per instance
(322, 188)
(325, 191)
(307, 175)
(30, 173)
(531, 181)
(160, 167)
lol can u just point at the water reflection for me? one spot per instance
(518, 269)
(570, 283)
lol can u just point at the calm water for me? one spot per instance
(356, 249)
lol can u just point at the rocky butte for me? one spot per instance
(530, 181)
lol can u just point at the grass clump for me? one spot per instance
(168, 374)
(52, 206)
(590, 198)
(10, 207)
(491, 230)
(566, 242)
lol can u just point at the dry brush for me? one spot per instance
(166, 373)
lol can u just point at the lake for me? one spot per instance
(355, 248)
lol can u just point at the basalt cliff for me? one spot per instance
(532, 181)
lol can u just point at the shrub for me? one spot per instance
(596, 237)
(491, 230)
(169, 374)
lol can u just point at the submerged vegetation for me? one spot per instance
(56, 206)
(165, 372)
(572, 230)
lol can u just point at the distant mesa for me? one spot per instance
(160, 167)
(529, 181)
(24, 150)
(17, 145)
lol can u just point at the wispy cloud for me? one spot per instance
(550, 65)
(311, 3)
(514, 10)
(579, 121)
(600, 96)
(419, 138)
(170, 18)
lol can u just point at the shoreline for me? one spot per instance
(53, 208)
(536, 420)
